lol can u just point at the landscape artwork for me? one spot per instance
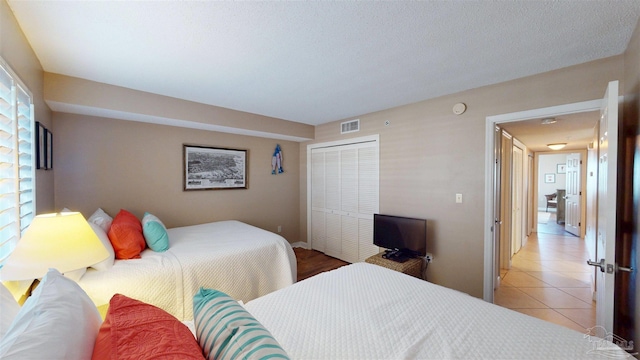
(209, 168)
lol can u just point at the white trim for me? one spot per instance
(371, 138)
(491, 121)
(300, 244)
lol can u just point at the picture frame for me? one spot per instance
(549, 178)
(561, 168)
(48, 149)
(214, 168)
(41, 146)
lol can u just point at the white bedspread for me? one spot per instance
(242, 260)
(364, 311)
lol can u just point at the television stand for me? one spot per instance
(412, 266)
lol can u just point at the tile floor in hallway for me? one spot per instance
(550, 280)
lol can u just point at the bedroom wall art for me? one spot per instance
(549, 178)
(276, 161)
(48, 139)
(44, 147)
(210, 168)
(561, 168)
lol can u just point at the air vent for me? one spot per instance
(350, 126)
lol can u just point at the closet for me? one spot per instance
(344, 197)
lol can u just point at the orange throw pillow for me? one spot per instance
(126, 236)
(136, 330)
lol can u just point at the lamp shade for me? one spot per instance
(63, 241)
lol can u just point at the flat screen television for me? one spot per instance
(403, 237)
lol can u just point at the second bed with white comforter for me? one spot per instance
(242, 260)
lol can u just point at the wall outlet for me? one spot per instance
(429, 257)
(458, 198)
(279, 228)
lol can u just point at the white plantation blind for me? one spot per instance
(17, 181)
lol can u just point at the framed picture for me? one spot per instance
(549, 178)
(210, 168)
(41, 146)
(561, 168)
(49, 149)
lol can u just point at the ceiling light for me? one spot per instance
(548, 121)
(556, 146)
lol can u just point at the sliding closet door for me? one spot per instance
(367, 200)
(349, 203)
(318, 233)
(333, 228)
(344, 197)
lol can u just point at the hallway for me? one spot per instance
(549, 279)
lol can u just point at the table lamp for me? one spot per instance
(63, 241)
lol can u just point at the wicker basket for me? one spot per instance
(411, 267)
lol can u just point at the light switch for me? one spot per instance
(458, 198)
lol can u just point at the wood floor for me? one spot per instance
(312, 262)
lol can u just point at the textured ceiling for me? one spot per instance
(576, 130)
(315, 62)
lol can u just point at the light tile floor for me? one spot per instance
(549, 279)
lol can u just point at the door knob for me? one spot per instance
(598, 264)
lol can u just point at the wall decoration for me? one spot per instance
(561, 168)
(276, 161)
(210, 168)
(549, 178)
(48, 139)
(41, 147)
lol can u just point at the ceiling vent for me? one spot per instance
(350, 126)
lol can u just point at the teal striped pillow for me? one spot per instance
(225, 330)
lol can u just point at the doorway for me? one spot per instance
(491, 274)
(605, 140)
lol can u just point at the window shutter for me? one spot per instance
(17, 179)
(25, 163)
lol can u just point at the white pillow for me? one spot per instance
(101, 218)
(107, 263)
(10, 309)
(58, 321)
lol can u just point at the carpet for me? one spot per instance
(543, 217)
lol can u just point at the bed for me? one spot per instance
(364, 311)
(240, 259)
(360, 311)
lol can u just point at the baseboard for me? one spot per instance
(300, 244)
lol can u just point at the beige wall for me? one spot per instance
(136, 166)
(75, 95)
(16, 51)
(428, 154)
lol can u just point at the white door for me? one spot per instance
(606, 222)
(343, 198)
(517, 198)
(573, 195)
(333, 223)
(318, 231)
(349, 204)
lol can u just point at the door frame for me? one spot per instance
(518, 185)
(491, 122)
